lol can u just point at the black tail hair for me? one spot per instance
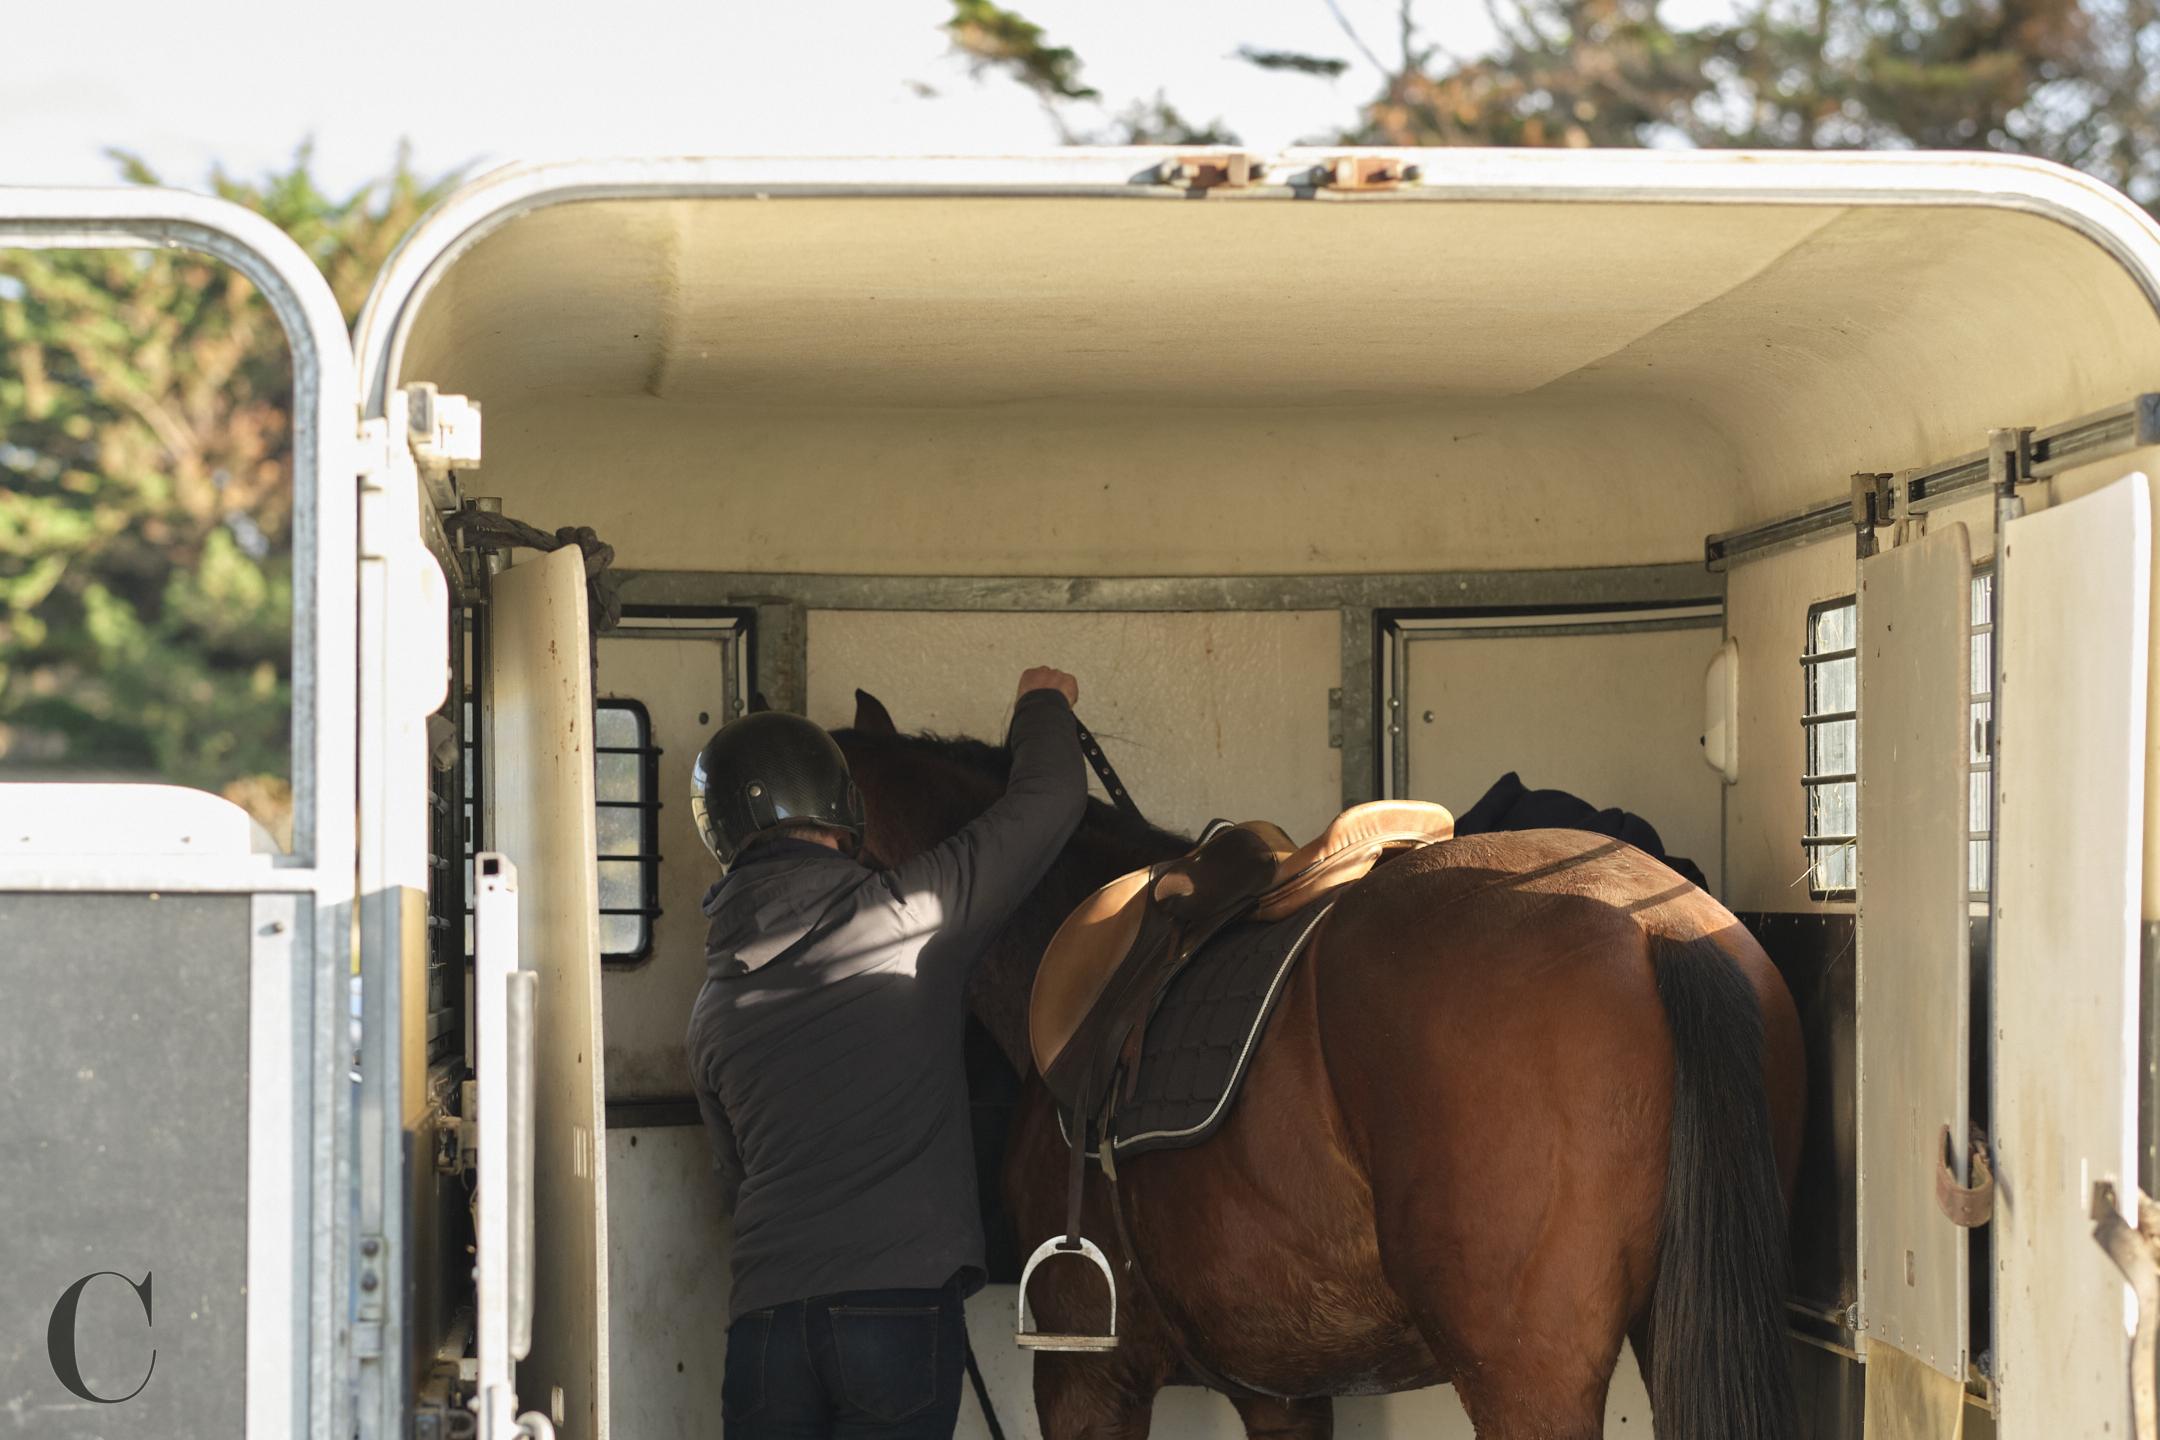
(1720, 1360)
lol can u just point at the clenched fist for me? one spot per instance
(1045, 677)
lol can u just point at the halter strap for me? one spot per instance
(1107, 773)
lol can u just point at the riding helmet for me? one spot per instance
(770, 771)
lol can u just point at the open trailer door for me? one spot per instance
(2075, 589)
(173, 1050)
(1915, 959)
(537, 718)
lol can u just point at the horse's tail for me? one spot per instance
(1720, 1363)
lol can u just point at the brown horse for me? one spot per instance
(1526, 1096)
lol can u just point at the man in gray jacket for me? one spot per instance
(826, 1049)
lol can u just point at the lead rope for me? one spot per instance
(1107, 773)
(982, 1391)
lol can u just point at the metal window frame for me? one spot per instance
(1983, 573)
(1811, 843)
(1401, 630)
(648, 803)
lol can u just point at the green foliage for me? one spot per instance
(1294, 61)
(996, 38)
(146, 495)
(1001, 41)
(2060, 79)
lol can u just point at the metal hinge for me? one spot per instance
(1364, 172)
(1211, 170)
(1874, 502)
(1334, 717)
(374, 1284)
(443, 1419)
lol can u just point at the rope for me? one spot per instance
(489, 532)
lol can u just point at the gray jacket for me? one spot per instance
(826, 1043)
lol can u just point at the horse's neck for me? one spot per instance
(1093, 858)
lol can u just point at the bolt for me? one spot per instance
(368, 1281)
(371, 1246)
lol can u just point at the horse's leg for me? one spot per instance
(1090, 1397)
(1265, 1419)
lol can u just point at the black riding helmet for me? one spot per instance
(770, 771)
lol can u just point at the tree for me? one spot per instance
(1000, 41)
(2060, 79)
(146, 496)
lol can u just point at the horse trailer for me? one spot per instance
(1798, 503)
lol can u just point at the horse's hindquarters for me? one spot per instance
(1497, 1049)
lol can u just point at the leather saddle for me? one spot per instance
(1109, 963)
(1111, 959)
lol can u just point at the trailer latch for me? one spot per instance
(1211, 170)
(1966, 1206)
(1364, 172)
(2135, 1249)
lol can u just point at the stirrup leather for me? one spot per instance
(1032, 1339)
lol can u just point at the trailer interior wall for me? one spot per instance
(1252, 385)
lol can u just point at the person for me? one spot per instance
(826, 1050)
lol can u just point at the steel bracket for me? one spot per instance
(1364, 172)
(1211, 170)
(1874, 505)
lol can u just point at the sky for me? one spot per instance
(480, 82)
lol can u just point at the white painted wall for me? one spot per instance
(1204, 715)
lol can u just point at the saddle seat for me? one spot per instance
(1108, 962)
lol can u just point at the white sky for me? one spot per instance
(243, 81)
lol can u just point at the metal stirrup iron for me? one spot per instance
(1072, 1242)
(1033, 1339)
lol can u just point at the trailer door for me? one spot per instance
(537, 715)
(2073, 620)
(174, 1060)
(1915, 957)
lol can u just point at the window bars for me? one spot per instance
(626, 794)
(1829, 775)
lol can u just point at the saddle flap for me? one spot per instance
(1082, 957)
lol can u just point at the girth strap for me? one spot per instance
(1185, 1357)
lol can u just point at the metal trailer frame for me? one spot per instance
(299, 1101)
(782, 604)
(331, 458)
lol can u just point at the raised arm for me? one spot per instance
(975, 880)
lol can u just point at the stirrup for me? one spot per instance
(1032, 1339)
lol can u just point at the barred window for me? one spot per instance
(627, 825)
(1980, 743)
(625, 790)
(1829, 775)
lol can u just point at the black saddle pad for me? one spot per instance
(1201, 1038)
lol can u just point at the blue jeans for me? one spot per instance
(865, 1365)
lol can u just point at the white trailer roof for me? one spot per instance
(1810, 315)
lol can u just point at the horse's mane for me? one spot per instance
(994, 763)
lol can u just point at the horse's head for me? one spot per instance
(919, 790)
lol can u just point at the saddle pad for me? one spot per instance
(1201, 1038)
